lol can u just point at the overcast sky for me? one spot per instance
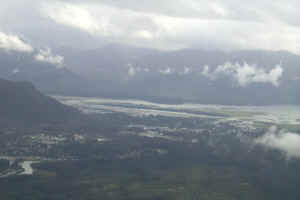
(162, 24)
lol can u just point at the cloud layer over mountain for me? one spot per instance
(9, 42)
(245, 74)
(47, 57)
(225, 25)
(13, 43)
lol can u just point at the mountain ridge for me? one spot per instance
(21, 104)
(246, 77)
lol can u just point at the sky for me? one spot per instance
(161, 24)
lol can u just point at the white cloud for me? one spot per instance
(206, 72)
(288, 143)
(72, 15)
(101, 20)
(219, 10)
(144, 34)
(14, 43)
(166, 71)
(47, 57)
(134, 70)
(131, 71)
(15, 71)
(186, 70)
(246, 74)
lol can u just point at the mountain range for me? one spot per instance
(188, 75)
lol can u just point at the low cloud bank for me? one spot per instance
(166, 71)
(286, 142)
(14, 43)
(47, 57)
(132, 71)
(245, 74)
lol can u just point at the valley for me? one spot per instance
(142, 150)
